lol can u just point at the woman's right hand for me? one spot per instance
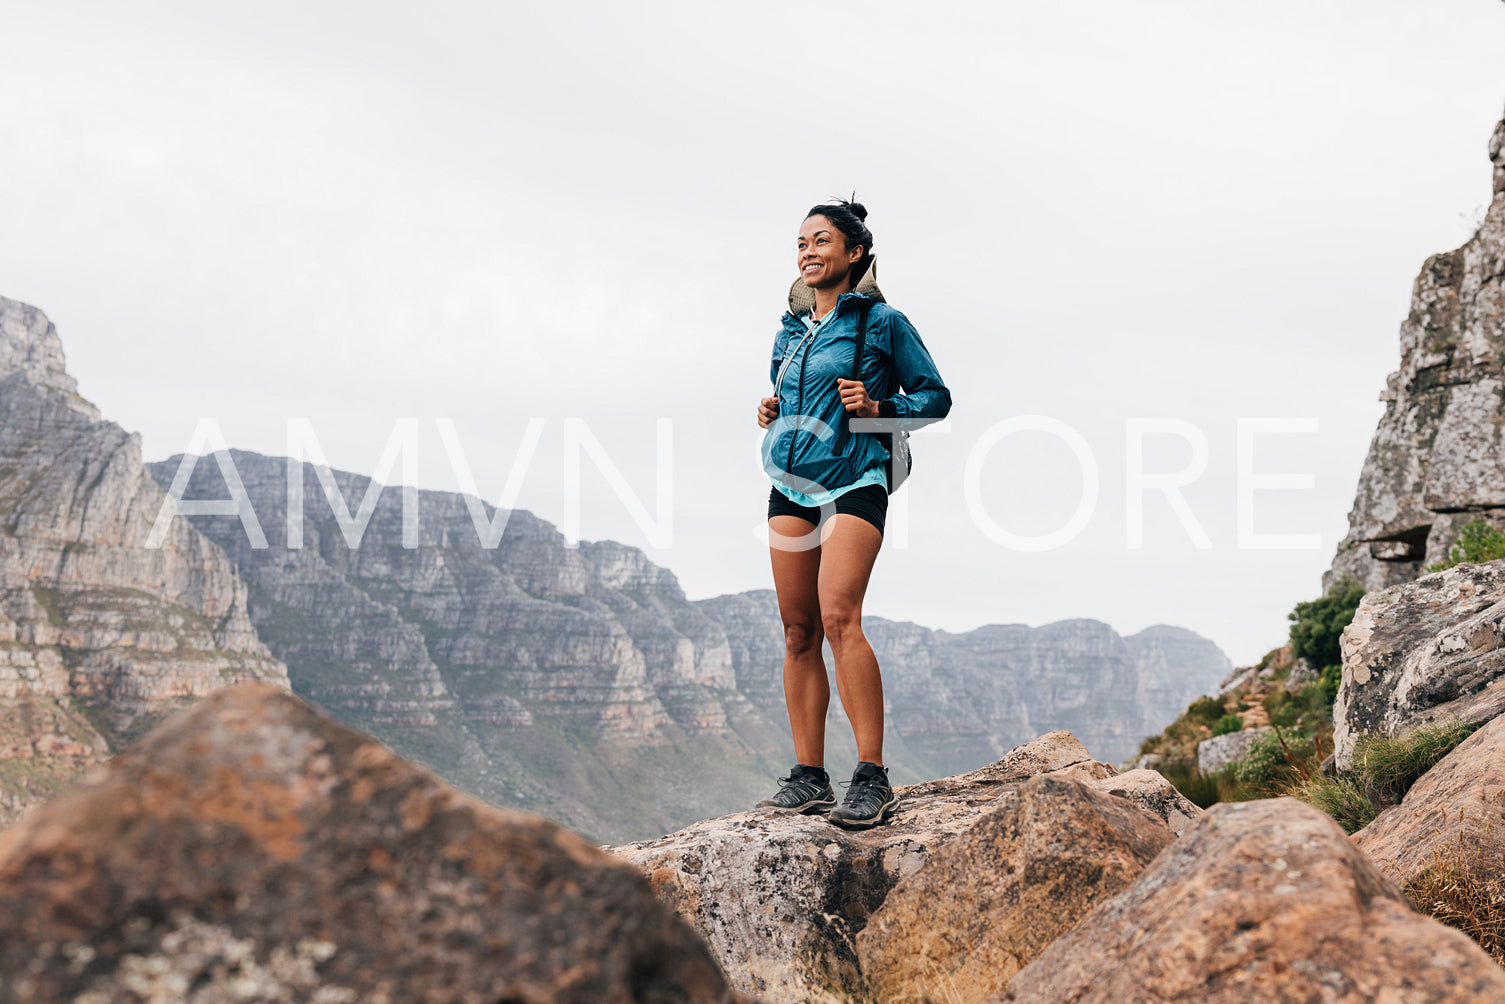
(768, 410)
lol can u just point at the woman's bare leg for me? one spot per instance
(806, 692)
(847, 554)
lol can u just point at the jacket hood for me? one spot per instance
(802, 297)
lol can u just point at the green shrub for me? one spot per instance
(1316, 625)
(1273, 759)
(1205, 710)
(1383, 769)
(1477, 541)
(1305, 711)
(1227, 724)
(1342, 797)
(1393, 765)
(1331, 678)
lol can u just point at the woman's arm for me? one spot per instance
(924, 393)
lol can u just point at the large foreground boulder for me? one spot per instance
(989, 902)
(1423, 651)
(783, 899)
(1453, 818)
(1260, 901)
(253, 849)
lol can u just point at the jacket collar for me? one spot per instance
(841, 301)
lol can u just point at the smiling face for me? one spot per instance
(822, 255)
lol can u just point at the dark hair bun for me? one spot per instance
(850, 218)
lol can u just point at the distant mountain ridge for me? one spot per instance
(961, 700)
(497, 666)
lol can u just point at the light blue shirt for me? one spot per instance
(875, 475)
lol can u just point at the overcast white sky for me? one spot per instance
(1092, 211)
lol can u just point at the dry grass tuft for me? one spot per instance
(1458, 889)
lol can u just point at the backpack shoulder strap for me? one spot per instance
(862, 313)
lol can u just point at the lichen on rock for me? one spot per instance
(255, 845)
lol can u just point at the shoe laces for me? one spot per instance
(859, 789)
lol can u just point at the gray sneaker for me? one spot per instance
(869, 800)
(806, 789)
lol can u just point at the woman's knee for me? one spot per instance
(841, 624)
(801, 637)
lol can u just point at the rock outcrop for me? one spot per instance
(784, 900)
(101, 634)
(989, 902)
(254, 849)
(1260, 901)
(1428, 650)
(1454, 816)
(1437, 459)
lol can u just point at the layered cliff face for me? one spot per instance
(1437, 459)
(577, 682)
(100, 634)
(960, 700)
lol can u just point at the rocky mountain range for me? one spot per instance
(100, 635)
(497, 667)
(575, 681)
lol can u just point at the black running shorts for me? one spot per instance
(870, 502)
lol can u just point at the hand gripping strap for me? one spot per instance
(862, 312)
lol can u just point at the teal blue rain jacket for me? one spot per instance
(808, 447)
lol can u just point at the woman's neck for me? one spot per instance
(825, 299)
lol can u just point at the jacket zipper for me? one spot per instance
(789, 463)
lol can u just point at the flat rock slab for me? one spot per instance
(1260, 901)
(1423, 651)
(253, 849)
(781, 898)
(1454, 814)
(1219, 751)
(989, 902)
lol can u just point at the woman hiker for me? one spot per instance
(830, 496)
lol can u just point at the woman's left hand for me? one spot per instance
(854, 398)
